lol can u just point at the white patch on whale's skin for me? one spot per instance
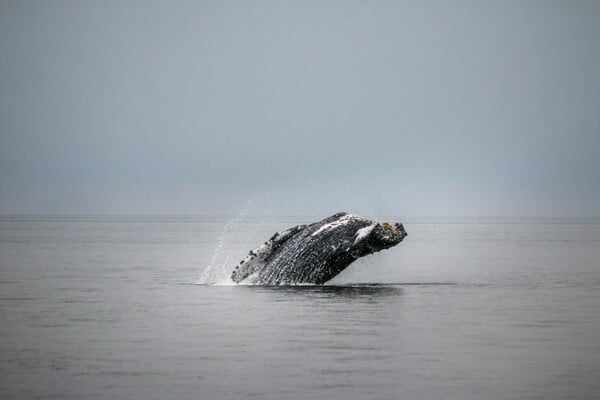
(363, 233)
(343, 220)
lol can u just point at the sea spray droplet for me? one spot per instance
(217, 271)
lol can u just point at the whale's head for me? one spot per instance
(385, 235)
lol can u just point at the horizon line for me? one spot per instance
(231, 215)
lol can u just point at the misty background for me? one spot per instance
(382, 108)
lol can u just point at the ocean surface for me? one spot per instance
(141, 308)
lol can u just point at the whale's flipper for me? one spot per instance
(256, 257)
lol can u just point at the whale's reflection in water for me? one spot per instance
(333, 291)
(351, 290)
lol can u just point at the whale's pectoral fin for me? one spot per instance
(255, 259)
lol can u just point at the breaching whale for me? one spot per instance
(315, 253)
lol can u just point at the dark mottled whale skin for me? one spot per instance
(315, 253)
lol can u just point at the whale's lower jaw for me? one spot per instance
(316, 253)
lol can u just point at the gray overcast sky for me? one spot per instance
(399, 107)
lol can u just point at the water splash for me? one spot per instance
(217, 271)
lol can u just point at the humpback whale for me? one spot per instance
(315, 253)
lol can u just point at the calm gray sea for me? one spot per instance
(121, 308)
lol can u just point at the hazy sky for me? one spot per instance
(301, 107)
